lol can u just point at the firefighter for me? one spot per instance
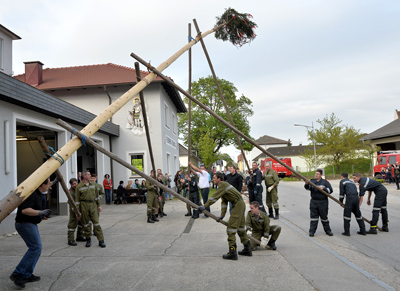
(236, 223)
(397, 174)
(352, 204)
(258, 223)
(319, 203)
(380, 201)
(73, 220)
(152, 194)
(191, 184)
(257, 187)
(89, 205)
(100, 188)
(271, 183)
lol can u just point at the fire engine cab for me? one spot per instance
(385, 158)
(280, 170)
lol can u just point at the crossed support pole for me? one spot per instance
(155, 71)
(143, 175)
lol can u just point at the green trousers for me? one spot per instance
(274, 231)
(89, 213)
(237, 224)
(72, 224)
(151, 203)
(272, 199)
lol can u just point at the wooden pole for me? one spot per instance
(26, 188)
(143, 175)
(235, 130)
(60, 178)
(190, 101)
(146, 125)
(220, 91)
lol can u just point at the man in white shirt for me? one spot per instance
(204, 183)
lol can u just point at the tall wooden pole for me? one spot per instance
(220, 91)
(190, 101)
(27, 187)
(146, 125)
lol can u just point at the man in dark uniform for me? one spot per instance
(249, 184)
(235, 179)
(258, 223)
(87, 194)
(397, 174)
(236, 223)
(191, 184)
(29, 215)
(319, 203)
(380, 201)
(257, 187)
(73, 220)
(352, 204)
(271, 183)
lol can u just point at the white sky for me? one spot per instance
(310, 58)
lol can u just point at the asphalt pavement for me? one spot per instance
(172, 255)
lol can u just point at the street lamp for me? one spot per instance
(313, 136)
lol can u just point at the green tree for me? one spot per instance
(240, 109)
(338, 142)
(206, 149)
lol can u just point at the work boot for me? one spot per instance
(329, 233)
(161, 214)
(149, 220)
(362, 232)
(154, 218)
(385, 226)
(247, 250)
(346, 233)
(164, 213)
(81, 238)
(72, 243)
(88, 242)
(372, 230)
(271, 244)
(102, 244)
(232, 254)
(18, 281)
(32, 278)
(276, 213)
(195, 214)
(271, 212)
(188, 214)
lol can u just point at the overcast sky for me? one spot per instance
(310, 58)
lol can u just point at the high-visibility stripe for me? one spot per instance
(77, 203)
(384, 207)
(324, 220)
(97, 224)
(231, 230)
(228, 188)
(266, 234)
(314, 219)
(71, 229)
(241, 229)
(376, 208)
(346, 217)
(212, 199)
(366, 183)
(359, 218)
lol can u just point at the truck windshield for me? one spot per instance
(392, 160)
(382, 161)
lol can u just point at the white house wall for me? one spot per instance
(6, 60)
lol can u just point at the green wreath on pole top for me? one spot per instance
(239, 28)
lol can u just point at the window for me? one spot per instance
(382, 161)
(137, 161)
(1, 53)
(166, 119)
(392, 160)
(173, 123)
(176, 164)
(169, 164)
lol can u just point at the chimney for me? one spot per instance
(33, 73)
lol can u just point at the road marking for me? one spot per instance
(343, 259)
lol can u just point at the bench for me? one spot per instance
(131, 195)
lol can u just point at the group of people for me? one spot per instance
(354, 199)
(387, 172)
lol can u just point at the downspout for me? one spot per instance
(110, 142)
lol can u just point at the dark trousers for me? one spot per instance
(204, 195)
(352, 206)
(319, 208)
(397, 180)
(380, 205)
(195, 198)
(258, 198)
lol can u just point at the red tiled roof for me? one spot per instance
(86, 76)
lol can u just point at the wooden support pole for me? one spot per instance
(60, 178)
(26, 188)
(140, 173)
(236, 130)
(220, 92)
(190, 102)
(146, 125)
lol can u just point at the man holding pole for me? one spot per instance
(380, 201)
(319, 203)
(236, 223)
(73, 220)
(87, 199)
(204, 183)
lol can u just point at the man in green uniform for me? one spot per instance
(100, 188)
(271, 183)
(258, 222)
(151, 199)
(161, 193)
(236, 223)
(73, 220)
(87, 199)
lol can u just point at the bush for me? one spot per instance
(380, 180)
(289, 179)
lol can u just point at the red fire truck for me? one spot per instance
(281, 170)
(385, 158)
